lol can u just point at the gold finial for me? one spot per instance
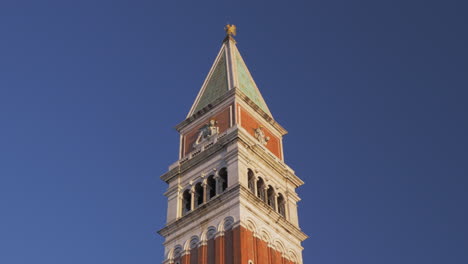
(230, 30)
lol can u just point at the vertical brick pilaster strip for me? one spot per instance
(248, 246)
(262, 252)
(278, 259)
(237, 245)
(202, 254)
(219, 249)
(271, 255)
(194, 256)
(228, 252)
(211, 251)
(256, 249)
(185, 259)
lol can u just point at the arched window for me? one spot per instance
(198, 194)
(186, 202)
(251, 179)
(271, 197)
(211, 187)
(281, 205)
(261, 189)
(223, 176)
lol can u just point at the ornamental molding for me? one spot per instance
(227, 141)
(218, 204)
(245, 100)
(217, 106)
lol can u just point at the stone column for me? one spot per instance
(218, 184)
(205, 193)
(192, 199)
(275, 203)
(265, 193)
(255, 184)
(180, 204)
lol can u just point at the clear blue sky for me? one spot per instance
(373, 94)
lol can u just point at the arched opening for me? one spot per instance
(223, 176)
(211, 233)
(228, 223)
(261, 189)
(281, 205)
(194, 249)
(271, 197)
(198, 194)
(211, 187)
(210, 241)
(177, 252)
(187, 202)
(194, 242)
(250, 180)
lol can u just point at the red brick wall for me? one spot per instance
(249, 123)
(237, 246)
(219, 250)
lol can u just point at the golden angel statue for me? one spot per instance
(230, 30)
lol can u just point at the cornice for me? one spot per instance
(267, 157)
(266, 117)
(202, 112)
(272, 161)
(186, 163)
(228, 195)
(241, 96)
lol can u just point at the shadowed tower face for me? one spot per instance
(231, 197)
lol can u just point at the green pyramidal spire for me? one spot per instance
(228, 72)
(215, 85)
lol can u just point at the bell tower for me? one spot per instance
(231, 197)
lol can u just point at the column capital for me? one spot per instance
(219, 233)
(203, 243)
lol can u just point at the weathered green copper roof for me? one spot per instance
(216, 86)
(247, 84)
